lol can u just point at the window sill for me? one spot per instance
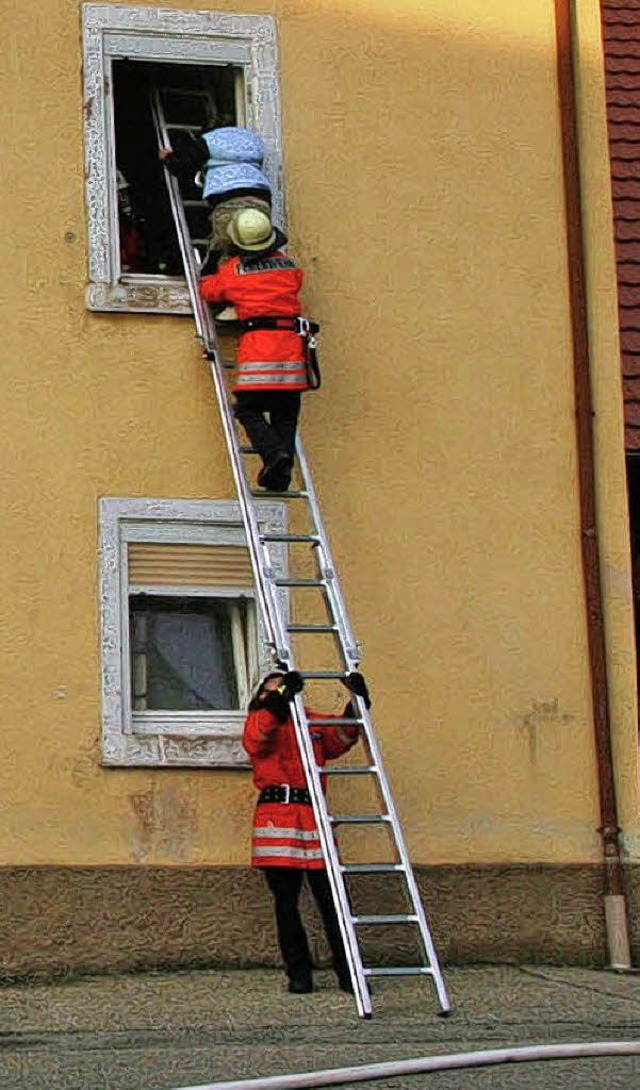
(175, 747)
(140, 294)
(224, 724)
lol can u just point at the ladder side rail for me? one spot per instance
(403, 853)
(334, 593)
(260, 559)
(325, 830)
(351, 652)
(205, 328)
(331, 856)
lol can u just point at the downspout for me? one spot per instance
(614, 895)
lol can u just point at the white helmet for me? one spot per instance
(251, 230)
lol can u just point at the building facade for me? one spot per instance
(421, 159)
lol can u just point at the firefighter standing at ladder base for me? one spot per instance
(286, 845)
(276, 351)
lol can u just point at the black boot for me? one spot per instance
(341, 969)
(301, 985)
(275, 474)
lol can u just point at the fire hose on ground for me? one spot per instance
(390, 1069)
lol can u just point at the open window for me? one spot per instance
(201, 63)
(182, 640)
(193, 98)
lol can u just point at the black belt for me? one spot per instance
(266, 321)
(284, 793)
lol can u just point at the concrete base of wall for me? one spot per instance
(57, 921)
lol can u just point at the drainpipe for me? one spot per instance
(614, 896)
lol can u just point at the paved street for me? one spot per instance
(161, 1031)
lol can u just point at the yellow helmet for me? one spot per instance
(251, 230)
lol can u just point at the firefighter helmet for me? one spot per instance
(252, 230)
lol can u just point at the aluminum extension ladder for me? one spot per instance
(281, 634)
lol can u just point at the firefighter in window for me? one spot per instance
(132, 248)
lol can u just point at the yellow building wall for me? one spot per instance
(425, 200)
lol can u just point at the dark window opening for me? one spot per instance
(184, 651)
(194, 98)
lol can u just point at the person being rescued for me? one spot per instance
(227, 161)
(286, 845)
(275, 359)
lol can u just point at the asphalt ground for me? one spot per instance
(164, 1031)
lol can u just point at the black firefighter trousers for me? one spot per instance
(285, 884)
(279, 433)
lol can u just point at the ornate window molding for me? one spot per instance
(114, 31)
(162, 739)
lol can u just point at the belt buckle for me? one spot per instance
(303, 326)
(287, 791)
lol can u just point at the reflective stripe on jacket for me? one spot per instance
(285, 834)
(266, 359)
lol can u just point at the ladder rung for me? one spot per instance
(289, 537)
(400, 970)
(359, 819)
(181, 126)
(312, 628)
(344, 770)
(301, 583)
(372, 868)
(327, 675)
(337, 721)
(195, 204)
(248, 450)
(298, 494)
(366, 921)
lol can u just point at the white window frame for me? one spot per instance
(115, 31)
(164, 739)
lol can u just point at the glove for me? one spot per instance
(356, 684)
(189, 153)
(292, 683)
(275, 703)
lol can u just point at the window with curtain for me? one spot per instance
(182, 640)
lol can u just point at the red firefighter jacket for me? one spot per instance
(267, 359)
(285, 834)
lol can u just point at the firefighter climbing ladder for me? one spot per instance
(281, 634)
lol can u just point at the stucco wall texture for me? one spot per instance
(425, 199)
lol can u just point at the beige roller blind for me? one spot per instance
(189, 565)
